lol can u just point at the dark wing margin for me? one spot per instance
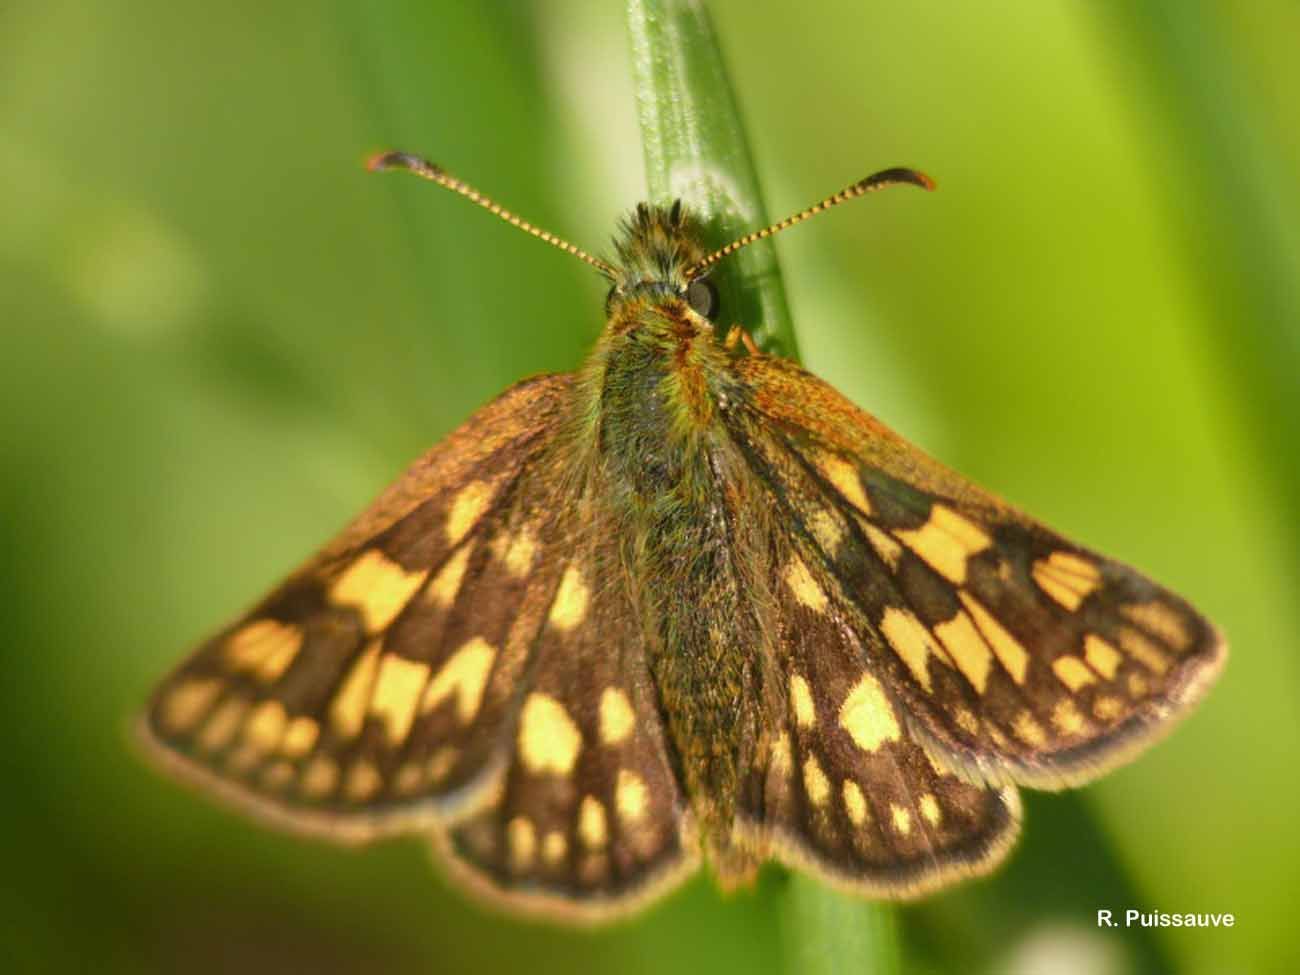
(1016, 655)
(373, 690)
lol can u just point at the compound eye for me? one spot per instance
(702, 296)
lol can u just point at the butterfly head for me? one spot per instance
(657, 249)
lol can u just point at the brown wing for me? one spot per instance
(376, 687)
(1010, 654)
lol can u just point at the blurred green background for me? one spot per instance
(221, 337)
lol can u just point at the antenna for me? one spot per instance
(430, 171)
(877, 181)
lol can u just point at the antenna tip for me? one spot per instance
(892, 177)
(381, 161)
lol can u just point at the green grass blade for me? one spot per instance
(696, 150)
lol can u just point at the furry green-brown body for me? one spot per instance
(676, 489)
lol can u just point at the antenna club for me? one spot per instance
(892, 177)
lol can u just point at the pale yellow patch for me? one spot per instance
(855, 804)
(1068, 579)
(1138, 686)
(1011, 655)
(804, 586)
(445, 585)
(946, 541)
(631, 797)
(801, 701)
(815, 783)
(929, 807)
(465, 675)
(1000, 741)
(520, 553)
(441, 763)
(1067, 719)
(617, 719)
(889, 550)
(966, 721)
(843, 476)
(186, 703)
(348, 711)
(1072, 672)
(363, 781)
(409, 778)
(264, 648)
(320, 777)
(521, 842)
(266, 725)
(1028, 730)
(242, 759)
(780, 760)
(1143, 650)
(466, 509)
(220, 729)
(867, 716)
(593, 829)
(377, 587)
(549, 741)
(910, 639)
(397, 694)
(1161, 620)
(554, 848)
(967, 648)
(300, 737)
(1107, 708)
(826, 529)
(902, 819)
(1101, 656)
(277, 775)
(570, 606)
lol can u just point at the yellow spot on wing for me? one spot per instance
(867, 715)
(1028, 730)
(631, 798)
(946, 541)
(1161, 620)
(397, 693)
(780, 761)
(184, 704)
(1068, 579)
(617, 720)
(221, 727)
(446, 584)
(929, 807)
(377, 586)
(554, 847)
(843, 476)
(1072, 672)
(1101, 656)
(592, 828)
(1107, 708)
(348, 712)
(464, 674)
(520, 553)
(801, 701)
(1067, 718)
(804, 586)
(815, 783)
(319, 778)
(854, 803)
(902, 819)
(910, 639)
(889, 550)
(300, 737)
(466, 509)
(1142, 650)
(549, 741)
(521, 841)
(1011, 655)
(827, 531)
(266, 725)
(264, 648)
(363, 781)
(570, 606)
(967, 648)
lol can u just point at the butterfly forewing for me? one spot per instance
(1017, 655)
(375, 687)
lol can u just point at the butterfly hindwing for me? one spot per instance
(1018, 655)
(588, 820)
(370, 689)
